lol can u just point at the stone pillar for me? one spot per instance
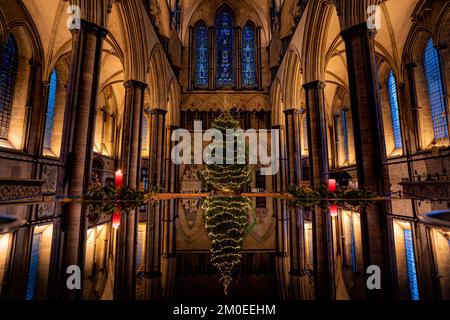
(34, 110)
(191, 56)
(81, 101)
(125, 266)
(282, 223)
(171, 209)
(259, 68)
(152, 282)
(294, 150)
(212, 58)
(335, 145)
(238, 57)
(370, 149)
(298, 282)
(319, 168)
(414, 104)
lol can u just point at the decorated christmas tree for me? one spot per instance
(226, 212)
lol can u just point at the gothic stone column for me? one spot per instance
(414, 105)
(319, 168)
(125, 274)
(281, 214)
(212, 58)
(191, 59)
(259, 67)
(298, 283)
(171, 209)
(152, 283)
(82, 97)
(238, 57)
(369, 148)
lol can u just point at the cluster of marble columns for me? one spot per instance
(370, 151)
(372, 175)
(153, 276)
(81, 100)
(78, 153)
(130, 159)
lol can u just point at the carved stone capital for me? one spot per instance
(135, 84)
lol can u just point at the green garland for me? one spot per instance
(353, 199)
(226, 216)
(108, 200)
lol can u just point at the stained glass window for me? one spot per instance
(225, 49)
(50, 110)
(345, 132)
(201, 56)
(435, 92)
(33, 267)
(248, 57)
(353, 245)
(8, 73)
(395, 114)
(176, 15)
(274, 8)
(411, 266)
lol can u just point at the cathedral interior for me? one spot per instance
(357, 89)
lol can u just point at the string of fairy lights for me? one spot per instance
(226, 216)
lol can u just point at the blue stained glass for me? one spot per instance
(353, 244)
(176, 15)
(395, 114)
(8, 73)
(33, 267)
(201, 56)
(411, 266)
(345, 129)
(248, 57)
(49, 121)
(435, 92)
(225, 49)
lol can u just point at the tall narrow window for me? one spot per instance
(248, 57)
(34, 266)
(261, 186)
(176, 15)
(145, 143)
(353, 244)
(225, 49)
(201, 56)
(345, 133)
(435, 92)
(8, 73)
(50, 110)
(274, 10)
(5, 242)
(411, 265)
(395, 114)
(140, 245)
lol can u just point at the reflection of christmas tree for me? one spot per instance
(226, 215)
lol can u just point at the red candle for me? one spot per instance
(118, 179)
(116, 220)
(118, 183)
(332, 185)
(333, 210)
